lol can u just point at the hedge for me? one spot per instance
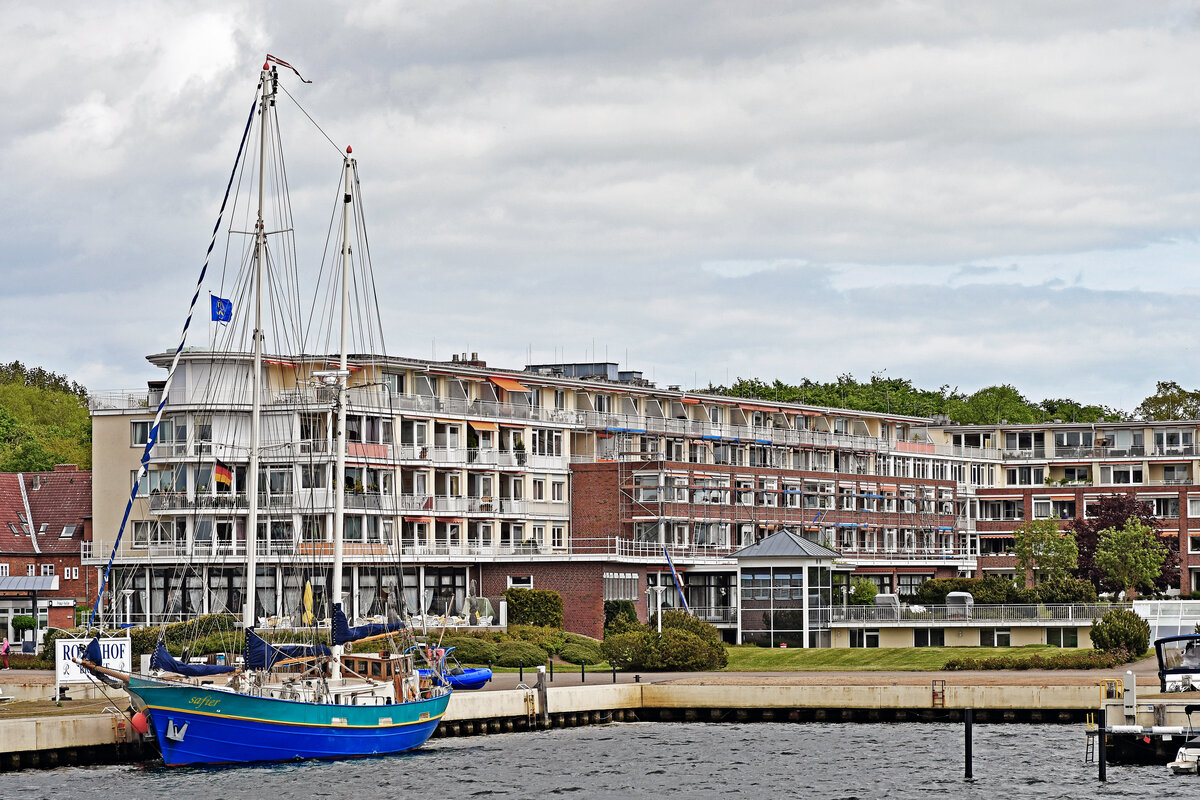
(471, 650)
(1077, 659)
(517, 653)
(1120, 630)
(579, 653)
(534, 607)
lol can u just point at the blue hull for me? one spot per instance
(471, 678)
(203, 726)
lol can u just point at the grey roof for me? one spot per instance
(29, 583)
(785, 544)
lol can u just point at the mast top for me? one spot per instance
(349, 149)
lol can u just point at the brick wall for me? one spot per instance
(581, 586)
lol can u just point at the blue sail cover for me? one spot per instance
(92, 652)
(343, 633)
(261, 654)
(165, 661)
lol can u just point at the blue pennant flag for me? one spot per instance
(222, 309)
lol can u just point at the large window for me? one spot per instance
(995, 637)
(621, 586)
(868, 637)
(929, 637)
(1062, 637)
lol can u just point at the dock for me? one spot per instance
(35, 732)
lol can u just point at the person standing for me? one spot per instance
(4, 651)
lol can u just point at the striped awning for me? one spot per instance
(508, 384)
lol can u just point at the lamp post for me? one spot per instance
(658, 590)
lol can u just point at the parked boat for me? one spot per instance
(454, 673)
(304, 699)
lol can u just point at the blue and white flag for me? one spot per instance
(675, 577)
(222, 309)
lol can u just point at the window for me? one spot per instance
(520, 581)
(1166, 507)
(1062, 637)
(74, 573)
(546, 442)
(557, 538)
(907, 585)
(47, 570)
(1121, 473)
(3, 570)
(1041, 509)
(141, 433)
(67, 532)
(1194, 506)
(1194, 543)
(557, 491)
(995, 637)
(929, 637)
(394, 381)
(1024, 476)
(1072, 439)
(1175, 473)
(621, 586)
(29, 570)
(1076, 474)
(1172, 441)
(868, 637)
(312, 476)
(539, 488)
(560, 399)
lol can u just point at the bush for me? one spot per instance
(580, 653)
(534, 607)
(683, 651)
(552, 640)
(1121, 630)
(471, 650)
(682, 621)
(988, 590)
(1081, 659)
(518, 653)
(1066, 590)
(629, 650)
(620, 616)
(22, 623)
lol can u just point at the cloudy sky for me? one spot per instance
(958, 193)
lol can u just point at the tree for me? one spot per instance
(1170, 401)
(1112, 511)
(1041, 546)
(863, 593)
(1132, 555)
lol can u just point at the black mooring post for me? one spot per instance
(614, 669)
(968, 721)
(1102, 749)
(490, 673)
(521, 667)
(552, 669)
(582, 672)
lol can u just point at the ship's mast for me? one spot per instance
(260, 256)
(339, 496)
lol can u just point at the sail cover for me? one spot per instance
(343, 633)
(165, 661)
(261, 654)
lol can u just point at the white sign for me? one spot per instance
(117, 654)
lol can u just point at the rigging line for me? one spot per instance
(153, 434)
(310, 119)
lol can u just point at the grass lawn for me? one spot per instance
(748, 658)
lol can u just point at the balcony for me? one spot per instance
(978, 615)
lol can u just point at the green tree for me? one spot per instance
(863, 593)
(992, 404)
(1041, 546)
(1170, 401)
(1131, 555)
(1112, 511)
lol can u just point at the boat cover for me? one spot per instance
(343, 633)
(261, 654)
(165, 661)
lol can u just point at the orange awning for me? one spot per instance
(418, 519)
(512, 424)
(484, 426)
(691, 400)
(508, 384)
(758, 408)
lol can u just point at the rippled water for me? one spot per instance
(655, 759)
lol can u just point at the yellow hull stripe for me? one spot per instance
(299, 724)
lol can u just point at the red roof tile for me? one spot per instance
(57, 500)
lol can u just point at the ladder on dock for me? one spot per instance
(938, 699)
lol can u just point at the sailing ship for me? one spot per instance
(300, 700)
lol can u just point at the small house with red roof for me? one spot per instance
(45, 518)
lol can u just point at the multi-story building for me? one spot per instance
(1058, 470)
(569, 477)
(45, 522)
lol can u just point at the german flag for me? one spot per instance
(223, 474)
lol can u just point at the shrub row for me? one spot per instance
(992, 589)
(534, 607)
(1068, 659)
(686, 644)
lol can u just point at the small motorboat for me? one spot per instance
(1187, 760)
(454, 673)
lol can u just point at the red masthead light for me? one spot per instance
(266, 65)
(349, 149)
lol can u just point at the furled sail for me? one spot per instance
(343, 633)
(261, 654)
(165, 661)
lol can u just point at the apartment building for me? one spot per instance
(574, 477)
(1058, 471)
